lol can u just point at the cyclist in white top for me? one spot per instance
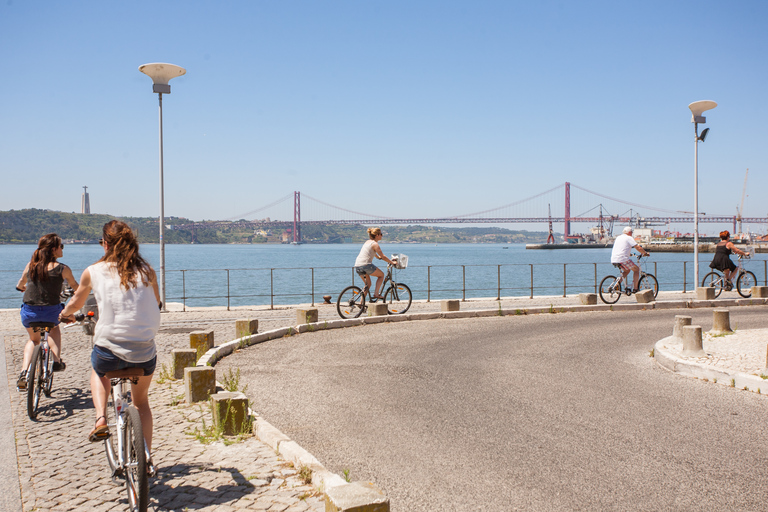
(621, 256)
(364, 266)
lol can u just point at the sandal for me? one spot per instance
(99, 433)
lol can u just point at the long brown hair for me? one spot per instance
(43, 255)
(123, 251)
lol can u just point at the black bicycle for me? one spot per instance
(611, 287)
(397, 297)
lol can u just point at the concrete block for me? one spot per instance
(692, 341)
(230, 413)
(306, 316)
(588, 299)
(377, 309)
(645, 296)
(721, 323)
(759, 292)
(680, 322)
(199, 383)
(450, 305)
(705, 293)
(182, 358)
(356, 497)
(246, 327)
(202, 341)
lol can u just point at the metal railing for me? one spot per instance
(284, 286)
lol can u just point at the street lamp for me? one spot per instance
(161, 74)
(697, 108)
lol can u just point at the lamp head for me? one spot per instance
(698, 108)
(161, 73)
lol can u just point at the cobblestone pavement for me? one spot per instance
(60, 470)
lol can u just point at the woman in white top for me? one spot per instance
(364, 266)
(126, 291)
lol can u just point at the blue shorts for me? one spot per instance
(366, 269)
(40, 314)
(103, 361)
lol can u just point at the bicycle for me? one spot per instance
(398, 297)
(611, 286)
(744, 282)
(40, 371)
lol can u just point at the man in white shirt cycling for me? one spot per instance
(621, 256)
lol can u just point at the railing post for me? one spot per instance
(765, 272)
(595, 264)
(227, 289)
(463, 283)
(498, 282)
(271, 288)
(531, 264)
(685, 274)
(183, 290)
(564, 279)
(313, 285)
(429, 282)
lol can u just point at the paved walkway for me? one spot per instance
(59, 469)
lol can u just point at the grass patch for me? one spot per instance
(231, 381)
(164, 374)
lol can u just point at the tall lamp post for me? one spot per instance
(697, 109)
(161, 74)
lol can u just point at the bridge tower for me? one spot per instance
(567, 233)
(297, 217)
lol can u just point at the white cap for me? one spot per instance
(627, 230)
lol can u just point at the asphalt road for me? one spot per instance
(541, 412)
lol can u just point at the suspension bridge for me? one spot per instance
(590, 207)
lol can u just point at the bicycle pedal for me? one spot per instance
(117, 474)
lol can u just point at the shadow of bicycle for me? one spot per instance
(62, 404)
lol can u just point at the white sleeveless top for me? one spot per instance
(366, 254)
(128, 319)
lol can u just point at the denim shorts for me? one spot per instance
(103, 361)
(40, 314)
(366, 269)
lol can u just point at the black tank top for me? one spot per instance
(45, 293)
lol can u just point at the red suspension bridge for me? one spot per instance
(591, 207)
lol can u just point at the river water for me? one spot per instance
(234, 275)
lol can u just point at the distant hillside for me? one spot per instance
(27, 226)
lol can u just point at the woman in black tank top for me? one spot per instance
(41, 283)
(722, 260)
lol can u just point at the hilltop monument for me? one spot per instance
(85, 203)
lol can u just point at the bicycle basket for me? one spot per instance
(402, 260)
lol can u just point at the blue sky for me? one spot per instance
(397, 108)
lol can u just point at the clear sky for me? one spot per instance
(398, 108)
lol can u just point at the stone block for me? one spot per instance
(182, 358)
(356, 497)
(680, 322)
(202, 341)
(692, 341)
(588, 299)
(199, 383)
(230, 413)
(450, 305)
(377, 309)
(705, 293)
(645, 296)
(760, 292)
(246, 327)
(306, 316)
(721, 322)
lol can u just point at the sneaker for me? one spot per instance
(59, 366)
(728, 286)
(21, 384)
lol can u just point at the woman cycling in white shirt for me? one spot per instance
(364, 266)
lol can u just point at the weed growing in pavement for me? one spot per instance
(346, 474)
(305, 473)
(164, 374)
(653, 352)
(176, 400)
(764, 376)
(231, 381)
(733, 383)
(714, 380)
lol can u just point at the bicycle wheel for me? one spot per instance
(745, 282)
(48, 361)
(714, 280)
(398, 299)
(610, 290)
(136, 478)
(34, 382)
(109, 443)
(649, 282)
(351, 303)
